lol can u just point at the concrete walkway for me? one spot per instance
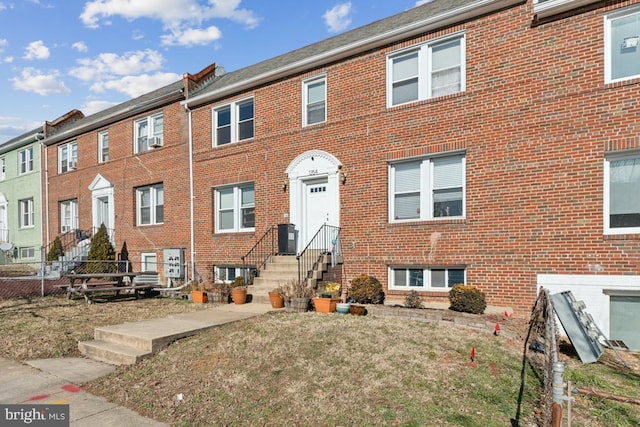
(59, 381)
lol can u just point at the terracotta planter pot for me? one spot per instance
(199, 297)
(325, 305)
(277, 300)
(239, 295)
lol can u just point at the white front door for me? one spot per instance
(4, 229)
(316, 207)
(102, 212)
(314, 187)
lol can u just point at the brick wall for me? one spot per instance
(535, 122)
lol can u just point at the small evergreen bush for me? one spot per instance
(366, 289)
(467, 299)
(56, 250)
(102, 253)
(413, 300)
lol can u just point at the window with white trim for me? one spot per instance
(150, 204)
(26, 213)
(29, 253)
(68, 215)
(425, 279)
(226, 273)
(314, 101)
(427, 71)
(429, 188)
(233, 122)
(67, 157)
(103, 146)
(235, 208)
(2, 168)
(621, 180)
(622, 45)
(148, 133)
(25, 158)
(149, 261)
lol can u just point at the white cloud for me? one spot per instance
(10, 127)
(137, 85)
(3, 43)
(337, 19)
(36, 50)
(172, 13)
(32, 80)
(80, 46)
(191, 37)
(8, 60)
(137, 35)
(107, 66)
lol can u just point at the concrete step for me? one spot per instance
(114, 354)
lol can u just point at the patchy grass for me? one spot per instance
(309, 369)
(314, 369)
(40, 328)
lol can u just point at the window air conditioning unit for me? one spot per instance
(73, 165)
(154, 142)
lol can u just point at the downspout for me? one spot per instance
(191, 197)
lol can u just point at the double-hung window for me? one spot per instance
(149, 261)
(235, 208)
(2, 168)
(25, 158)
(427, 71)
(428, 188)
(314, 101)
(103, 147)
(68, 157)
(26, 213)
(621, 194)
(233, 122)
(148, 133)
(622, 45)
(150, 204)
(422, 279)
(68, 215)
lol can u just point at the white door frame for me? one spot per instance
(308, 167)
(100, 188)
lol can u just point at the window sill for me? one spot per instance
(629, 236)
(442, 220)
(553, 7)
(418, 102)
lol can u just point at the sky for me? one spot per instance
(61, 55)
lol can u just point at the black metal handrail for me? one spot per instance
(325, 241)
(260, 253)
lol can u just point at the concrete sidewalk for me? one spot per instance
(59, 381)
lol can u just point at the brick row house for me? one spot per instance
(493, 143)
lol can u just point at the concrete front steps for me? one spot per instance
(129, 343)
(278, 271)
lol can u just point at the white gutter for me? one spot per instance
(450, 17)
(192, 247)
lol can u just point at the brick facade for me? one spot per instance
(535, 123)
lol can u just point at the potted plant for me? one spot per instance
(198, 293)
(276, 297)
(329, 297)
(220, 291)
(298, 295)
(238, 290)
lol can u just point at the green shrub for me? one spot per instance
(102, 253)
(467, 299)
(413, 300)
(366, 289)
(56, 250)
